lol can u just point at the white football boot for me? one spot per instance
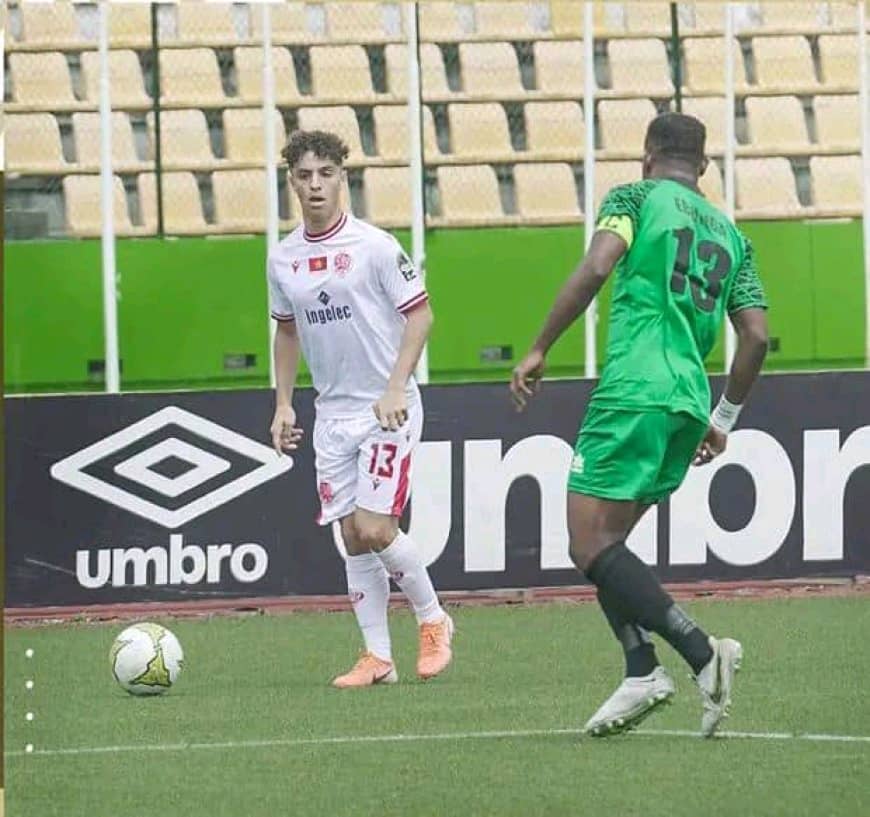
(716, 681)
(634, 699)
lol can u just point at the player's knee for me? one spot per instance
(375, 534)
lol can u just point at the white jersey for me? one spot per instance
(347, 290)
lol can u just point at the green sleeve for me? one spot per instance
(747, 292)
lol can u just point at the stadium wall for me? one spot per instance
(192, 310)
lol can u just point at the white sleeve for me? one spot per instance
(279, 304)
(402, 283)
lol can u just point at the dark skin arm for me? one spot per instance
(575, 296)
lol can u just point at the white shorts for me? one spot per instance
(361, 466)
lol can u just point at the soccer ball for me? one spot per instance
(146, 659)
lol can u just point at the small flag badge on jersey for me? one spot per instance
(317, 264)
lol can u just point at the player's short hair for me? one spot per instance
(676, 136)
(323, 144)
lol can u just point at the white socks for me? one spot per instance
(369, 589)
(402, 561)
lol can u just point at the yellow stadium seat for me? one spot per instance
(711, 111)
(776, 124)
(392, 134)
(184, 139)
(341, 72)
(126, 86)
(640, 66)
(711, 185)
(652, 18)
(838, 122)
(704, 66)
(555, 130)
(239, 200)
(52, 25)
(432, 76)
(244, 138)
(82, 203)
(190, 78)
(610, 174)
(287, 21)
(546, 193)
(356, 22)
(504, 20)
(42, 80)
(567, 18)
(130, 25)
(766, 187)
(559, 67)
(845, 15)
(388, 196)
(439, 22)
(33, 144)
(86, 127)
(706, 18)
(837, 183)
(340, 120)
(623, 124)
(839, 56)
(784, 62)
(182, 206)
(210, 24)
(469, 195)
(249, 74)
(490, 70)
(804, 16)
(480, 130)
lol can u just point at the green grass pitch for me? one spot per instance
(252, 729)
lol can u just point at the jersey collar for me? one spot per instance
(328, 233)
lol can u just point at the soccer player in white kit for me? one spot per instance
(345, 293)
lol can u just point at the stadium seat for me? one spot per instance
(249, 75)
(704, 66)
(209, 25)
(805, 16)
(126, 86)
(86, 127)
(838, 122)
(706, 18)
(42, 80)
(490, 70)
(184, 139)
(432, 76)
(356, 22)
(646, 17)
(555, 130)
(341, 73)
(559, 67)
(469, 195)
(239, 200)
(711, 185)
(567, 16)
(546, 193)
(479, 130)
(392, 134)
(287, 22)
(639, 66)
(388, 196)
(504, 20)
(776, 124)
(130, 25)
(49, 25)
(711, 111)
(33, 144)
(244, 139)
(341, 120)
(190, 78)
(783, 63)
(439, 22)
(845, 15)
(611, 174)
(623, 123)
(766, 187)
(837, 183)
(839, 57)
(83, 207)
(182, 206)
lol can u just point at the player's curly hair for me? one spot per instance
(322, 144)
(676, 136)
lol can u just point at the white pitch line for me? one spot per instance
(326, 741)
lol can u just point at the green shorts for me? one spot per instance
(633, 455)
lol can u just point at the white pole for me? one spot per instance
(270, 162)
(730, 146)
(864, 106)
(415, 149)
(591, 316)
(110, 295)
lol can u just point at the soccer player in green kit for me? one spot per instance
(680, 266)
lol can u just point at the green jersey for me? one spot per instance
(686, 264)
